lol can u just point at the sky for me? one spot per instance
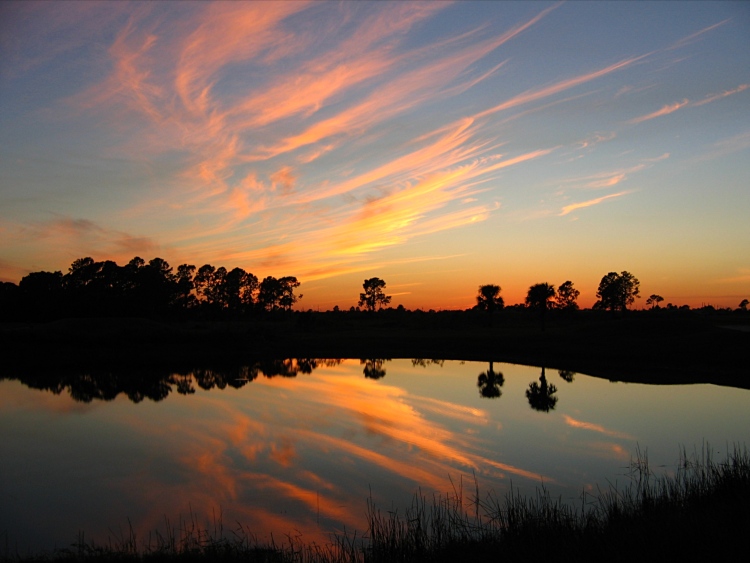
(436, 145)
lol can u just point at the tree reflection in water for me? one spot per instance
(541, 395)
(489, 383)
(567, 375)
(156, 385)
(374, 367)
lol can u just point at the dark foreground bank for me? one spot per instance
(636, 347)
(701, 513)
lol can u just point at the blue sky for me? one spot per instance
(436, 145)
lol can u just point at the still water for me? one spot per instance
(297, 447)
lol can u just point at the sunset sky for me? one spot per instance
(436, 145)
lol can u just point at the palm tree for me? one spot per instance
(489, 299)
(539, 296)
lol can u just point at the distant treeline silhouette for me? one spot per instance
(105, 289)
(156, 290)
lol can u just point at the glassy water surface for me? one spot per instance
(297, 447)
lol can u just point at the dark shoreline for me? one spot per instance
(638, 347)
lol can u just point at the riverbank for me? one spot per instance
(638, 347)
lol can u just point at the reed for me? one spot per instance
(700, 511)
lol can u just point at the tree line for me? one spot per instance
(141, 288)
(155, 289)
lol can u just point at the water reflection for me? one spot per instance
(567, 375)
(541, 395)
(156, 385)
(489, 383)
(301, 455)
(374, 368)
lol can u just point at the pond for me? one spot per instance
(298, 447)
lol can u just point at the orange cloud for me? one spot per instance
(573, 206)
(607, 182)
(572, 422)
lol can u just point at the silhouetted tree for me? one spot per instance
(541, 395)
(567, 296)
(743, 304)
(489, 383)
(489, 298)
(374, 296)
(617, 291)
(41, 294)
(288, 285)
(239, 289)
(277, 294)
(208, 281)
(10, 300)
(539, 296)
(156, 286)
(654, 301)
(185, 286)
(373, 368)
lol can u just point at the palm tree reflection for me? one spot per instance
(541, 395)
(489, 383)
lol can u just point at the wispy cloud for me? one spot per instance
(665, 110)
(561, 86)
(695, 36)
(671, 108)
(591, 202)
(731, 145)
(361, 81)
(580, 424)
(714, 97)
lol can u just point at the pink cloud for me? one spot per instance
(665, 110)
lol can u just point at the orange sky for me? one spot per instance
(436, 145)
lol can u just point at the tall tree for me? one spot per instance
(567, 296)
(205, 283)
(287, 298)
(539, 297)
(617, 291)
(185, 285)
(489, 298)
(240, 288)
(374, 296)
(276, 294)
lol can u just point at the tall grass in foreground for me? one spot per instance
(702, 511)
